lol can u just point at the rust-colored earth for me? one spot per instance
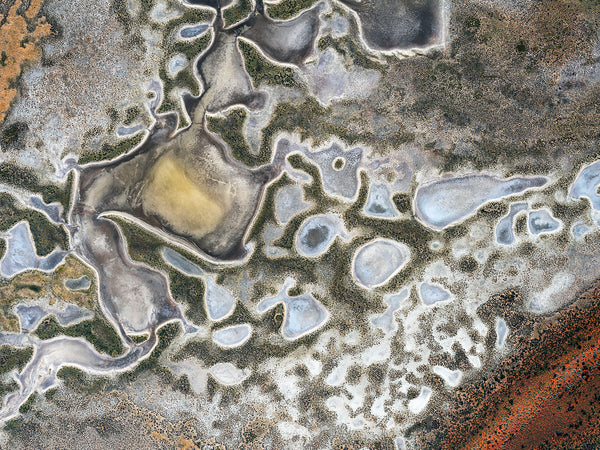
(544, 396)
(19, 47)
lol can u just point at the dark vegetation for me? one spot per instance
(14, 358)
(78, 381)
(45, 234)
(287, 9)
(166, 335)
(111, 151)
(97, 332)
(230, 128)
(15, 175)
(237, 12)
(263, 71)
(13, 133)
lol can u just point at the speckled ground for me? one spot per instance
(299, 224)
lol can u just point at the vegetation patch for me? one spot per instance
(15, 175)
(46, 235)
(189, 291)
(237, 12)
(263, 71)
(111, 151)
(14, 358)
(97, 332)
(312, 120)
(78, 381)
(287, 9)
(348, 48)
(12, 133)
(166, 335)
(231, 130)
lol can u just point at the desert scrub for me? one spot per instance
(237, 12)
(231, 130)
(165, 336)
(78, 381)
(45, 235)
(97, 332)
(348, 48)
(286, 9)
(14, 358)
(263, 71)
(24, 178)
(111, 151)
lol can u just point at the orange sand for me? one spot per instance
(18, 47)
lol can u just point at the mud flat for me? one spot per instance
(419, 403)
(30, 315)
(186, 188)
(432, 293)
(289, 202)
(330, 79)
(21, 254)
(338, 166)
(218, 301)
(189, 32)
(451, 377)
(133, 295)
(450, 200)
(504, 230)
(541, 221)
(53, 210)
(78, 284)
(377, 261)
(379, 203)
(339, 181)
(317, 233)
(181, 263)
(289, 41)
(397, 25)
(227, 374)
(580, 229)
(233, 336)
(186, 185)
(49, 356)
(303, 314)
(586, 185)
(387, 320)
(501, 332)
